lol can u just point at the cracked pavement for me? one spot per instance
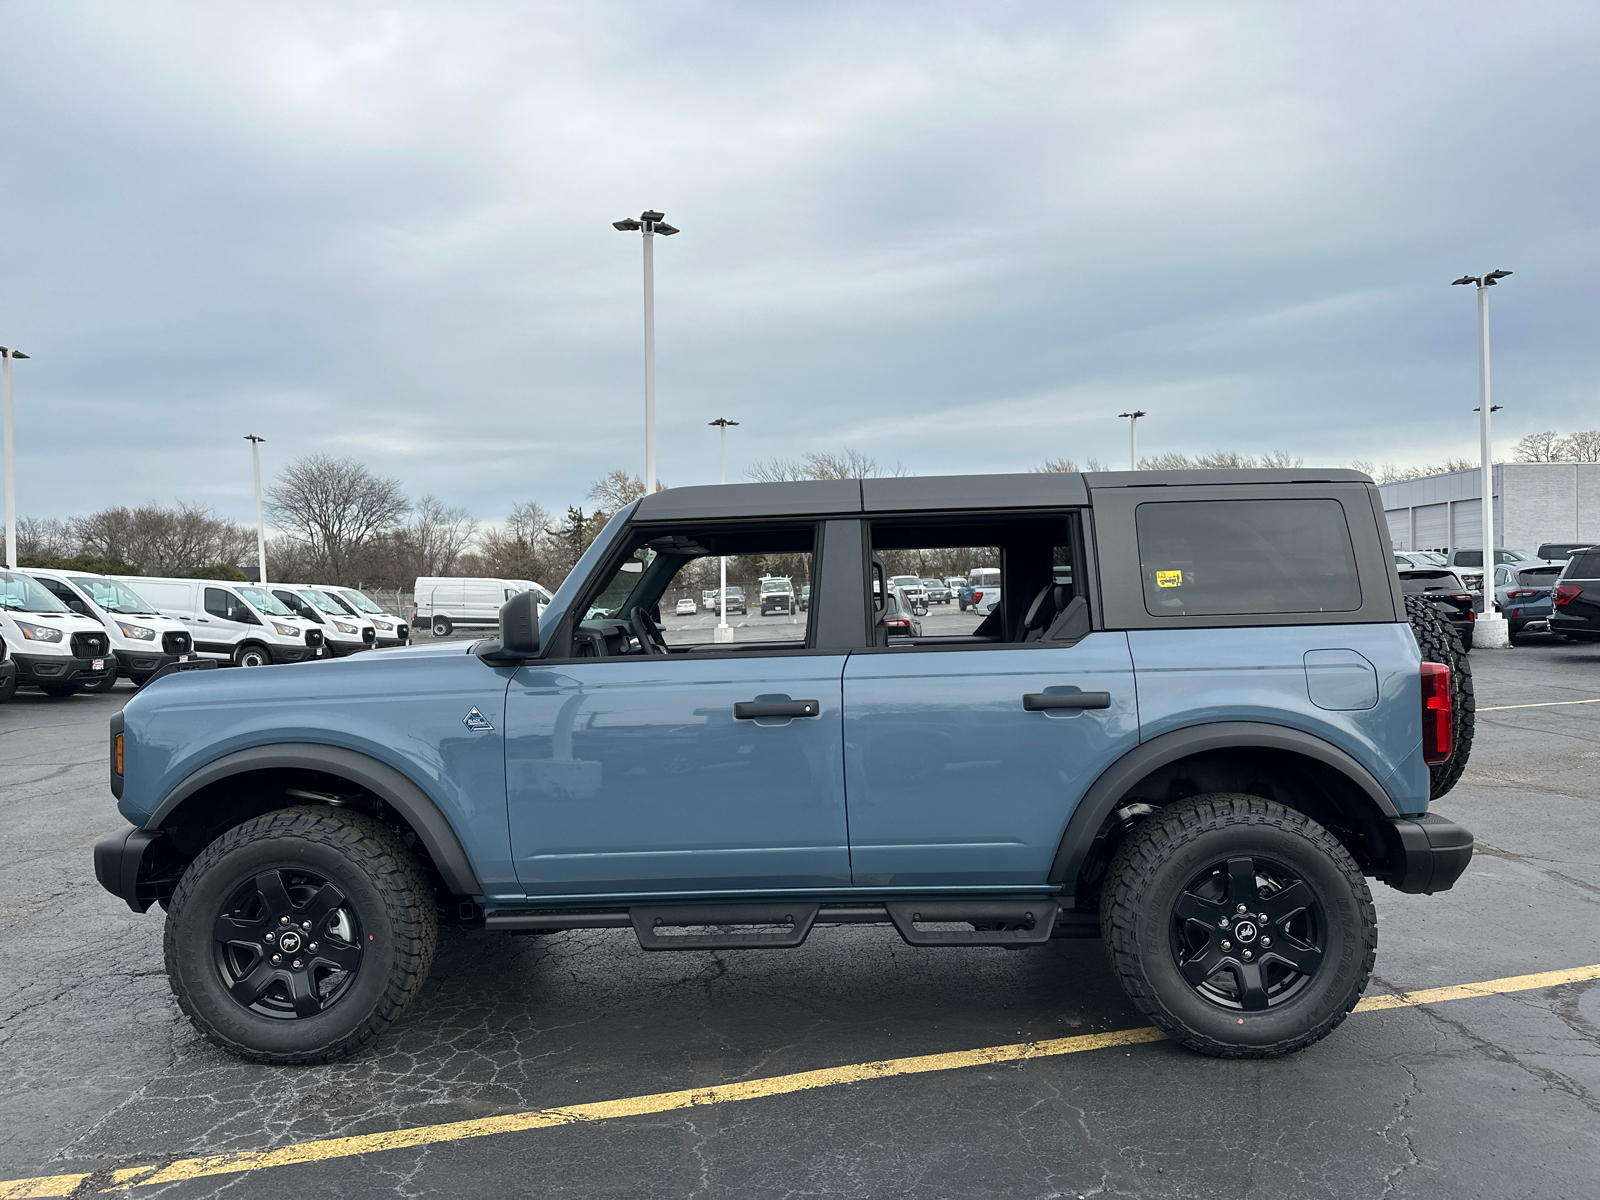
(1491, 1097)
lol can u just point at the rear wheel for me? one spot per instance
(1440, 643)
(442, 627)
(299, 936)
(1242, 928)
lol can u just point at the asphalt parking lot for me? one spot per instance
(576, 1064)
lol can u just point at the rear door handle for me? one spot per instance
(749, 710)
(1044, 701)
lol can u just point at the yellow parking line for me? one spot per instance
(726, 1093)
(1546, 704)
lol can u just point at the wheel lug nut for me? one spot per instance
(269, 937)
(297, 962)
(1266, 941)
(283, 920)
(277, 958)
(1227, 945)
(1263, 917)
(313, 946)
(305, 924)
(1247, 956)
(1222, 921)
(1241, 908)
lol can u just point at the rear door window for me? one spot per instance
(1246, 557)
(1584, 566)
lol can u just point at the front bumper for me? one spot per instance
(294, 654)
(51, 668)
(344, 649)
(137, 866)
(1427, 854)
(147, 662)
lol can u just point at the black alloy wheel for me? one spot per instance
(287, 944)
(1247, 933)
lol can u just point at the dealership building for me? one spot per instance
(1533, 503)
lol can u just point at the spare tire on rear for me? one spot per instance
(1439, 643)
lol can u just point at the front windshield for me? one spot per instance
(360, 601)
(323, 602)
(265, 601)
(24, 593)
(113, 596)
(774, 585)
(611, 601)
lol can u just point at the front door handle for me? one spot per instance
(749, 710)
(1044, 701)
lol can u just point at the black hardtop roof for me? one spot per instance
(935, 493)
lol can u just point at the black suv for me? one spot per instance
(1577, 598)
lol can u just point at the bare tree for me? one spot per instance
(523, 548)
(153, 540)
(846, 464)
(1540, 447)
(1583, 446)
(432, 542)
(617, 489)
(1217, 460)
(48, 538)
(335, 507)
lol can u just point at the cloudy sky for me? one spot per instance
(958, 237)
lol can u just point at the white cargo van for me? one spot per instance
(344, 633)
(241, 623)
(53, 648)
(443, 603)
(392, 630)
(142, 639)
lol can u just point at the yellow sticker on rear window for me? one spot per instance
(1169, 578)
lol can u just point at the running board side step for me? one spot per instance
(648, 923)
(1011, 922)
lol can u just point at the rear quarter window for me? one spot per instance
(1246, 557)
(1584, 566)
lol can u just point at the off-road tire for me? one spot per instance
(252, 654)
(1440, 643)
(1148, 875)
(383, 885)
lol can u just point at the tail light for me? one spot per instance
(1438, 719)
(898, 623)
(1465, 597)
(976, 596)
(1521, 593)
(1566, 593)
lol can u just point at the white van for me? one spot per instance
(344, 633)
(241, 623)
(142, 639)
(54, 649)
(392, 630)
(443, 603)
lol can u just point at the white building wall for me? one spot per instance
(1534, 503)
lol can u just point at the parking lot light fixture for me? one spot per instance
(1133, 437)
(723, 633)
(649, 223)
(261, 529)
(8, 402)
(1491, 629)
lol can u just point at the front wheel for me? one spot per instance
(1242, 928)
(299, 936)
(252, 655)
(100, 686)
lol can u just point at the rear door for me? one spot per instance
(967, 749)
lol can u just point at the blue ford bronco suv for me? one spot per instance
(1196, 750)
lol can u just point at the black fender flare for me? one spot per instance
(382, 780)
(1114, 782)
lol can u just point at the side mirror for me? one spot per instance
(519, 633)
(79, 607)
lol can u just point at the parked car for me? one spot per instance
(1469, 564)
(937, 591)
(239, 623)
(804, 599)
(442, 603)
(1560, 551)
(8, 672)
(1419, 558)
(899, 616)
(734, 600)
(1576, 613)
(53, 648)
(1216, 824)
(343, 633)
(777, 595)
(1443, 588)
(980, 577)
(1525, 597)
(686, 607)
(392, 630)
(142, 640)
(916, 596)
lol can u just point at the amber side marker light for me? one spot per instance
(119, 754)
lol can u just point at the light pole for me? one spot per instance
(1491, 629)
(261, 529)
(723, 633)
(651, 223)
(1133, 437)
(9, 402)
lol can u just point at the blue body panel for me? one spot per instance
(1189, 677)
(633, 776)
(951, 783)
(403, 707)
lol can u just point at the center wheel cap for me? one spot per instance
(1245, 931)
(289, 941)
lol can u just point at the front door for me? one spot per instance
(647, 776)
